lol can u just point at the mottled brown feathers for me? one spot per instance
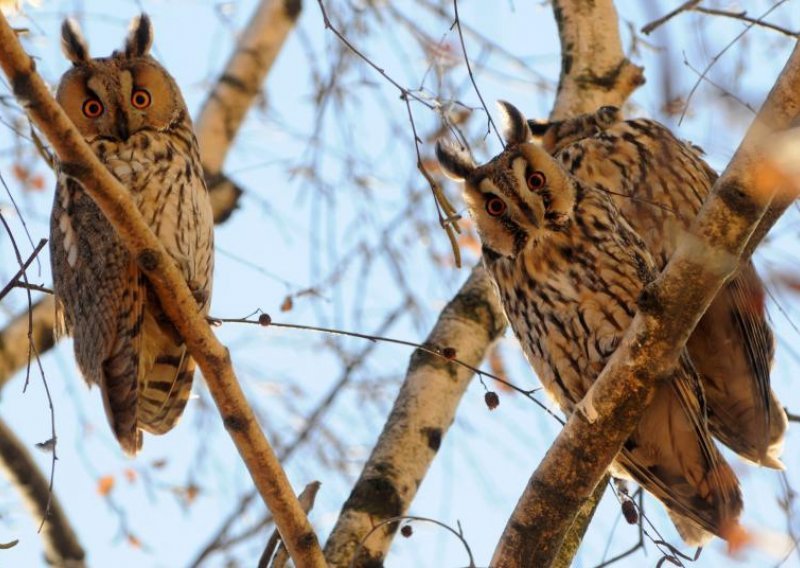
(569, 267)
(131, 112)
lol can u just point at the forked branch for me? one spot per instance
(669, 308)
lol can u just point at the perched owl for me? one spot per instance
(130, 111)
(569, 269)
(658, 183)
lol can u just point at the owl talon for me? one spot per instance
(586, 407)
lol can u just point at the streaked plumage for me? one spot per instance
(132, 114)
(658, 183)
(568, 269)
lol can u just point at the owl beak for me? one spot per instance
(123, 133)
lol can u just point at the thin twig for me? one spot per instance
(721, 53)
(458, 533)
(14, 282)
(742, 16)
(648, 29)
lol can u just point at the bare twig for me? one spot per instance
(459, 534)
(274, 544)
(668, 310)
(491, 125)
(742, 16)
(721, 53)
(79, 162)
(62, 547)
(14, 282)
(649, 28)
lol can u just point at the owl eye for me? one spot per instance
(92, 108)
(536, 181)
(495, 206)
(141, 99)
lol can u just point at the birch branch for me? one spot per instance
(598, 74)
(79, 162)
(61, 545)
(421, 415)
(216, 127)
(240, 82)
(669, 308)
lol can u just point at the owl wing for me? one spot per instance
(659, 183)
(672, 455)
(101, 294)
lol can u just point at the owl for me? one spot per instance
(658, 183)
(130, 111)
(568, 269)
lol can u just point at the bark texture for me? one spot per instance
(216, 127)
(669, 308)
(597, 74)
(61, 545)
(79, 162)
(423, 412)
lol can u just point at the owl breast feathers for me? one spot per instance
(131, 112)
(570, 240)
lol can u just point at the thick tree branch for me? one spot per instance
(388, 484)
(423, 412)
(79, 162)
(594, 71)
(215, 127)
(61, 545)
(669, 308)
(240, 81)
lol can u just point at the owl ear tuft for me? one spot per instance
(73, 44)
(140, 36)
(456, 163)
(515, 127)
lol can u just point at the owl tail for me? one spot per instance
(120, 369)
(671, 454)
(744, 413)
(166, 378)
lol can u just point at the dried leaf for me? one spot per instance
(105, 484)
(287, 304)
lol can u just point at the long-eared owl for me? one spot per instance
(130, 111)
(659, 183)
(569, 268)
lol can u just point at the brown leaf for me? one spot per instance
(287, 304)
(105, 484)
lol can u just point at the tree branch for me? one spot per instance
(215, 128)
(594, 70)
(669, 308)
(61, 544)
(240, 81)
(79, 162)
(401, 458)
(421, 415)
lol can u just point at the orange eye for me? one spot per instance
(141, 99)
(536, 181)
(92, 108)
(495, 206)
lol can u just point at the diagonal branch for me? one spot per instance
(240, 81)
(61, 544)
(215, 127)
(79, 162)
(599, 74)
(669, 308)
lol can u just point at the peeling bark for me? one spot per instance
(669, 309)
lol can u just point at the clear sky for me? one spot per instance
(294, 229)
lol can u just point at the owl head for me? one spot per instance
(115, 97)
(518, 199)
